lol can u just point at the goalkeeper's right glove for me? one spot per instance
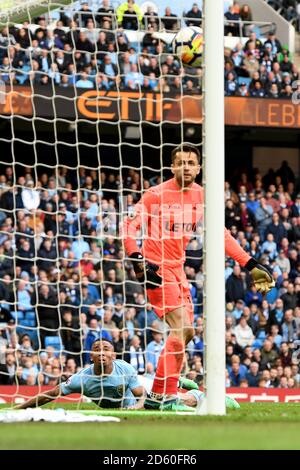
(142, 267)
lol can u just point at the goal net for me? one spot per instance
(92, 103)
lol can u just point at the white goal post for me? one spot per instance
(213, 181)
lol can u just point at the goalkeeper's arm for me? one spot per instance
(40, 399)
(262, 278)
(144, 271)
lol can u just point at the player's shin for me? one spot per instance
(169, 367)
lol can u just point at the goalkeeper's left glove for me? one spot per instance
(262, 278)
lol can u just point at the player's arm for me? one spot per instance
(40, 399)
(234, 250)
(138, 391)
(188, 399)
(141, 394)
(261, 277)
(144, 271)
(132, 223)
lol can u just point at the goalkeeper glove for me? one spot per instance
(142, 267)
(262, 278)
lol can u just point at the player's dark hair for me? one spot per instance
(185, 148)
(101, 340)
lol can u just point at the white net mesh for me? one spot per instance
(92, 103)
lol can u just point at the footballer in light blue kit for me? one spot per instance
(108, 382)
(116, 388)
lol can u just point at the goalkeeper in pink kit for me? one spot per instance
(170, 215)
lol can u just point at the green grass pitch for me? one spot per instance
(254, 426)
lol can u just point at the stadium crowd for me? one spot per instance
(64, 281)
(96, 50)
(260, 70)
(289, 9)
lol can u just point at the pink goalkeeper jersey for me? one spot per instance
(169, 218)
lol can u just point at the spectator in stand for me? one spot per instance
(30, 197)
(105, 13)
(25, 256)
(258, 91)
(231, 25)
(254, 45)
(47, 303)
(154, 348)
(237, 371)
(109, 70)
(232, 214)
(194, 16)
(274, 43)
(295, 209)
(231, 85)
(137, 355)
(84, 81)
(275, 336)
(277, 229)
(129, 15)
(243, 90)
(250, 64)
(268, 355)
(79, 246)
(253, 297)
(151, 19)
(289, 327)
(285, 354)
(253, 375)
(243, 333)
(70, 335)
(134, 79)
(170, 20)
(23, 298)
(246, 13)
(46, 253)
(290, 298)
(234, 286)
(269, 247)
(263, 216)
(283, 262)
(84, 14)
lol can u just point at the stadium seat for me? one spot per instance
(17, 315)
(257, 344)
(30, 316)
(137, 46)
(22, 76)
(29, 323)
(261, 335)
(26, 330)
(54, 341)
(244, 80)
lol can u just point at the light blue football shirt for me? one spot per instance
(108, 391)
